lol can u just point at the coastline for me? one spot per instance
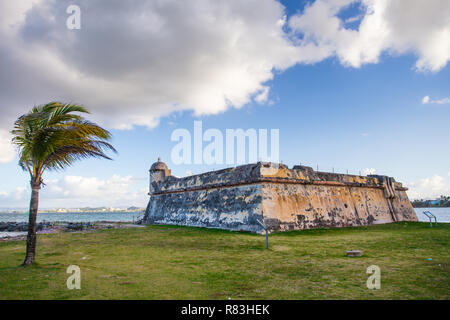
(11, 231)
(15, 226)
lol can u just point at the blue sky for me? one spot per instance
(329, 114)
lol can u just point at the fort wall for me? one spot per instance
(282, 198)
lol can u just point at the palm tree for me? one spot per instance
(52, 137)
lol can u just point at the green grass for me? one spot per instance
(163, 262)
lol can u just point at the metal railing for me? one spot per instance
(431, 216)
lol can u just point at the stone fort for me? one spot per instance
(281, 198)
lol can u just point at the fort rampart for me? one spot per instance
(281, 198)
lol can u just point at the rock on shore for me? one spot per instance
(23, 226)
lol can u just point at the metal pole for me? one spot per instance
(267, 240)
(267, 233)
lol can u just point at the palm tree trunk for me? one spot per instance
(31, 236)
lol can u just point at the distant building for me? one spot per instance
(435, 202)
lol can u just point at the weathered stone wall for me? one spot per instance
(235, 208)
(403, 208)
(285, 199)
(298, 206)
(302, 198)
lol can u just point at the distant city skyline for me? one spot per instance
(361, 86)
(75, 209)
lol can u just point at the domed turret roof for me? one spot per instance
(159, 165)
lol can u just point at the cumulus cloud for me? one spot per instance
(396, 27)
(429, 188)
(263, 95)
(353, 19)
(7, 152)
(428, 100)
(15, 197)
(133, 62)
(78, 191)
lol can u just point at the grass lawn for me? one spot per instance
(165, 262)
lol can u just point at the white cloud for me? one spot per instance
(132, 64)
(19, 193)
(428, 100)
(77, 191)
(369, 171)
(396, 27)
(353, 19)
(7, 152)
(16, 197)
(263, 95)
(429, 188)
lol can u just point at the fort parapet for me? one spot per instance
(282, 198)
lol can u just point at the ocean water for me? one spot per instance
(442, 214)
(74, 217)
(11, 234)
(69, 217)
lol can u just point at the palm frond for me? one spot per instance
(54, 136)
